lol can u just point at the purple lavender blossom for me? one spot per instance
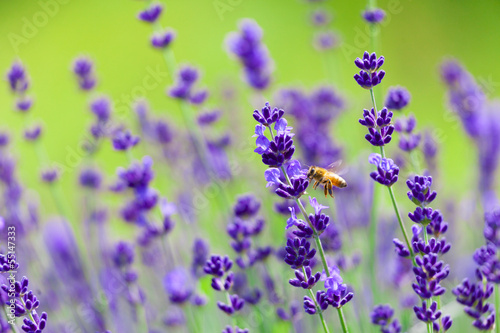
(90, 178)
(474, 296)
(408, 140)
(397, 98)
(320, 17)
(268, 115)
(123, 254)
(236, 304)
(382, 316)
(18, 78)
(246, 206)
(428, 269)
(124, 140)
(33, 133)
(151, 14)
(208, 117)
(310, 304)
(247, 46)
(298, 253)
(326, 40)
(19, 84)
(162, 39)
(186, 78)
(280, 149)
(420, 190)
(4, 139)
(50, 175)
(374, 16)
(305, 278)
(314, 114)
(369, 76)
(379, 126)
(200, 255)
(84, 71)
(178, 285)
(387, 172)
(465, 96)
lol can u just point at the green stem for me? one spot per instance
(342, 320)
(401, 225)
(373, 99)
(438, 301)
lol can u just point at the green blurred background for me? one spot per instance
(415, 39)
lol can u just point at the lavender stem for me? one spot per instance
(401, 225)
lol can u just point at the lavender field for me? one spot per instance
(246, 166)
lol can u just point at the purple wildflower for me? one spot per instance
(298, 253)
(17, 77)
(84, 71)
(151, 14)
(33, 133)
(373, 16)
(326, 40)
(186, 78)
(369, 76)
(382, 316)
(90, 178)
(178, 285)
(320, 17)
(162, 39)
(247, 46)
(50, 175)
(387, 172)
(397, 98)
(124, 140)
(408, 140)
(379, 126)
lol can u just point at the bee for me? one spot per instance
(326, 177)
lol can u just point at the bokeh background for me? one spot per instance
(416, 37)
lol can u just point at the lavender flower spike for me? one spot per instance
(397, 98)
(151, 14)
(374, 16)
(379, 126)
(369, 76)
(246, 44)
(387, 172)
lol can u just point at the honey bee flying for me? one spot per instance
(326, 177)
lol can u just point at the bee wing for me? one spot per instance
(338, 168)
